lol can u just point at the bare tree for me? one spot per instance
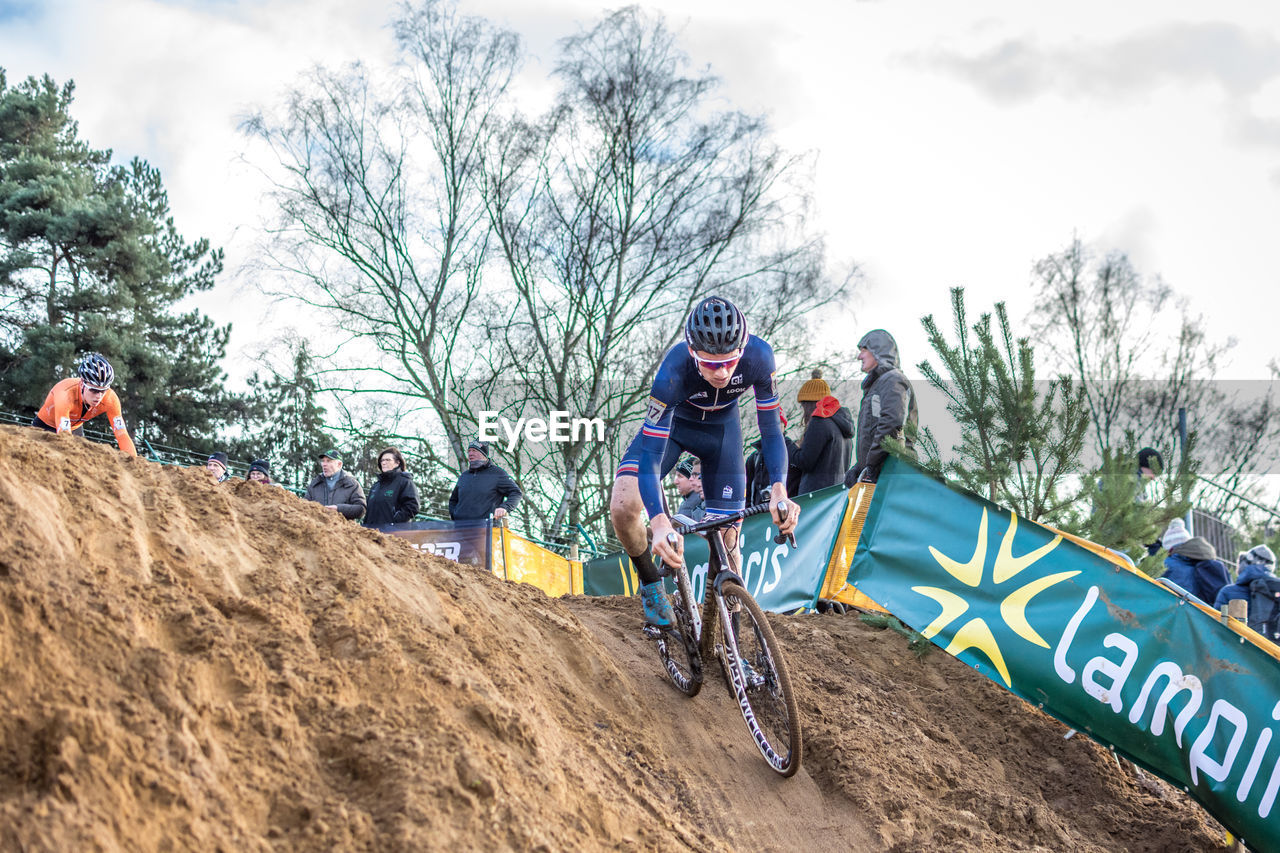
(381, 225)
(1140, 357)
(633, 199)
(589, 232)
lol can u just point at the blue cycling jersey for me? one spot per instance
(685, 410)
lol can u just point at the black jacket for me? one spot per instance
(888, 405)
(347, 495)
(479, 492)
(822, 455)
(393, 499)
(758, 483)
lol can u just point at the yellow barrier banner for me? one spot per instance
(517, 559)
(835, 587)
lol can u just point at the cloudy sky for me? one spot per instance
(955, 143)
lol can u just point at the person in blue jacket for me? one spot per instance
(1192, 563)
(1258, 562)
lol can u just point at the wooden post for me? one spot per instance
(1238, 608)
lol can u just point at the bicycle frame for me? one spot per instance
(718, 573)
(705, 620)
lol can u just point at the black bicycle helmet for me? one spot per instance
(716, 326)
(96, 371)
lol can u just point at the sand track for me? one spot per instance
(199, 667)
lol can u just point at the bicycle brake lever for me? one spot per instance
(779, 538)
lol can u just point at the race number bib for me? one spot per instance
(117, 423)
(64, 425)
(656, 410)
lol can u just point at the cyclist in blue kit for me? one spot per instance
(693, 408)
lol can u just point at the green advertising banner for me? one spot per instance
(1101, 648)
(779, 577)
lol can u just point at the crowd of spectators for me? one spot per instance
(484, 490)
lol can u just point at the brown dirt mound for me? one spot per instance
(200, 667)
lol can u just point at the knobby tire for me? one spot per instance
(769, 709)
(679, 649)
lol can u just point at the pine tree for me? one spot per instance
(284, 423)
(1021, 439)
(91, 260)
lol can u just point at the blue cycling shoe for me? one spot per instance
(657, 607)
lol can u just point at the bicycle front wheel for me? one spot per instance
(753, 658)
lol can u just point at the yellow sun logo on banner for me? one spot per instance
(976, 634)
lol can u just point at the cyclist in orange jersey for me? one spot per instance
(83, 397)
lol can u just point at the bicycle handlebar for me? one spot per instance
(722, 521)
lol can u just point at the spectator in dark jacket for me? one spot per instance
(1192, 563)
(759, 485)
(888, 405)
(1258, 562)
(810, 393)
(821, 457)
(335, 488)
(393, 499)
(483, 489)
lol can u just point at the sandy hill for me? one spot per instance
(188, 666)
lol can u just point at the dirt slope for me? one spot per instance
(199, 667)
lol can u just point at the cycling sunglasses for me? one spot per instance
(717, 364)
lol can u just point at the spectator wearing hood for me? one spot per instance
(1258, 562)
(335, 488)
(483, 489)
(1192, 563)
(393, 499)
(822, 458)
(888, 405)
(759, 485)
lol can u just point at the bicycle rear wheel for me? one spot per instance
(679, 649)
(763, 687)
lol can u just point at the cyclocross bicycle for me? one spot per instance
(733, 628)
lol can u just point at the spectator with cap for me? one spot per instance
(688, 478)
(335, 488)
(259, 472)
(483, 489)
(888, 406)
(1150, 466)
(393, 498)
(809, 395)
(218, 467)
(1192, 563)
(822, 457)
(1258, 562)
